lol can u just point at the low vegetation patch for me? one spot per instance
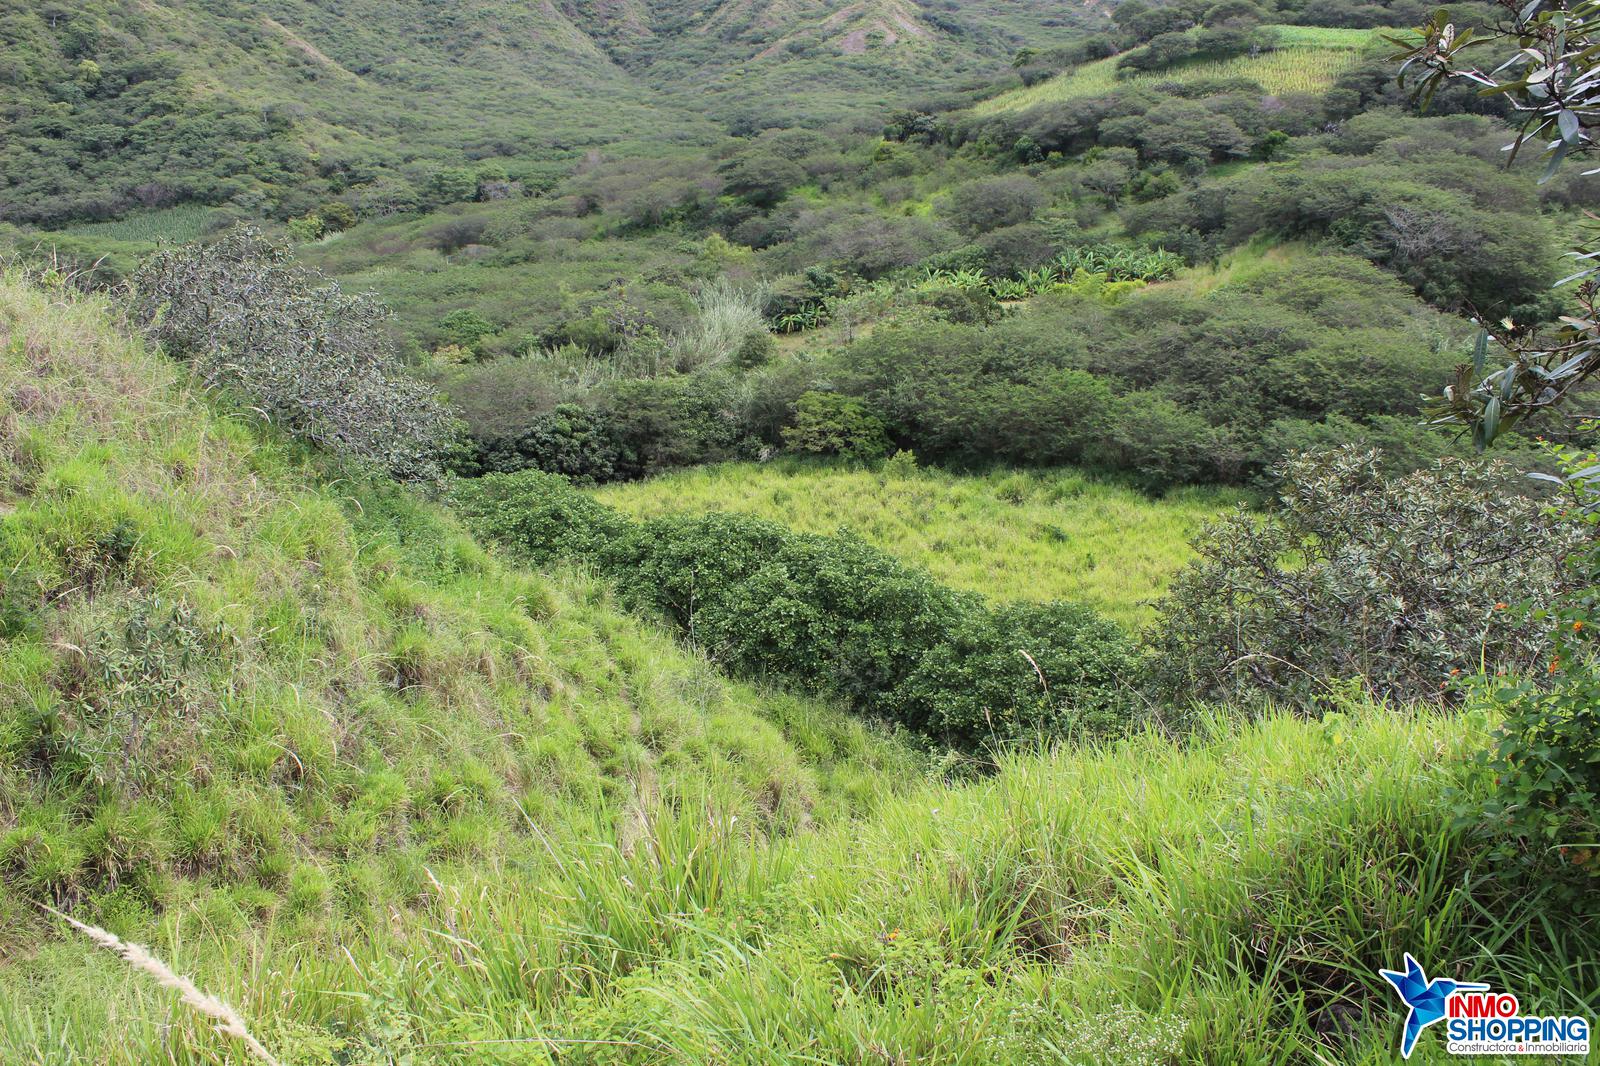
(1007, 535)
(1300, 59)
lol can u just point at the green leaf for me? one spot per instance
(1567, 122)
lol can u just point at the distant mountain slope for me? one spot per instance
(1305, 59)
(114, 105)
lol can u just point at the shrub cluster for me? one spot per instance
(309, 357)
(832, 615)
(1400, 583)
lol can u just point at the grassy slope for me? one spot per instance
(235, 695)
(1307, 60)
(1028, 535)
(319, 815)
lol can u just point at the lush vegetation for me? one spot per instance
(834, 616)
(1405, 585)
(255, 717)
(1299, 59)
(379, 659)
(1007, 535)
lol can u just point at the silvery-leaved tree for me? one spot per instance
(1544, 59)
(297, 348)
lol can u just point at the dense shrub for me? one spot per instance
(1545, 763)
(312, 359)
(1022, 671)
(571, 440)
(540, 514)
(832, 614)
(658, 423)
(1399, 583)
(826, 423)
(1169, 386)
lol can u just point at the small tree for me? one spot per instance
(829, 424)
(309, 357)
(1400, 583)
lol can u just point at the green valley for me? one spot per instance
(773, 532)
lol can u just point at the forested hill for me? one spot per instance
(111, 106)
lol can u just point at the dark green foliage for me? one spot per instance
(1423, 199)
(993, 203)
(313, 360)
(832, 615)
(826, 423)
(540, 515)
(659, 423)
(1547, 68)
(1401, 584)
(1545, 763)
(1168, 386)
(1024, 671)
(571, 440)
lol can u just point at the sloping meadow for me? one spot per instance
(398, 801)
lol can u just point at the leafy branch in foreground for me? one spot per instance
(1547, 67)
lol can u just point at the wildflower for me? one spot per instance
(1577, 627)
(1499, 606)
(1555, 664)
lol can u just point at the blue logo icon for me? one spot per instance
(1426, 999)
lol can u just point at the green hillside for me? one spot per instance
(1304, 59)
(393, 800)
(791, 532)
(1034, 535)
(116, 108)
(233, 694)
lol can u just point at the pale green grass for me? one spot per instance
(1307, 60)
(1022, 535)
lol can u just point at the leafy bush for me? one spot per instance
(829, 424)
(1022, 671)
(658, 423)
(311, 358)
(540, 514)
(832, 614)
(1545, 762)
(571, 440)
(1399, 583)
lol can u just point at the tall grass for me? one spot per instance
(1022, 535)
(398, 802)
(1225, 900)
(725, 317)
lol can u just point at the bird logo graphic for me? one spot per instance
(1425, 998)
